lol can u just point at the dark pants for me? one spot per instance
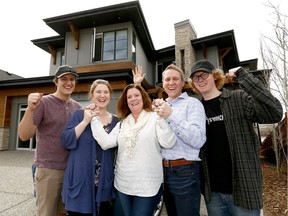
(106, 209)
(223, 204)
(139, 206)
(182, 194)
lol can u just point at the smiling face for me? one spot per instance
(101, 96)
(65, 85)
(204, 82)
(134, 100)
(172, 83)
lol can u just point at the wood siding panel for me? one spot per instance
(80, 87)
(5, 111)
(2, 110)
(106, 67)
(8, 111)
(7, 94)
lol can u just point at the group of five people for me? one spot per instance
(122, 165)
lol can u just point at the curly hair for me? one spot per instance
(219, 79)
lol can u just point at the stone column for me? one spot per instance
(184, 52)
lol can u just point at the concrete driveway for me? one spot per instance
(16, 186)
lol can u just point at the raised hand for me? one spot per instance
(138, 75)
(232, 73)
(34, 100)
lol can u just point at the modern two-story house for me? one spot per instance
(107, 43)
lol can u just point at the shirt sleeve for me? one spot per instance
(68, 136)
(191, 128)
(104, 139)
(262, 106)
(165, 134)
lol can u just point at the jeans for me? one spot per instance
(182, 190)
(106, 208)
(118, 210)
(223, 204)
(33, 177)
(70, 213)
(139, 206)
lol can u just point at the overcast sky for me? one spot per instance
(22, 21)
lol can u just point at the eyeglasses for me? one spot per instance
(203, 76)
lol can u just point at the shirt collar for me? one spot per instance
(182, 96)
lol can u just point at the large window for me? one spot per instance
(121, 45)
(110, 46)
(28, 144)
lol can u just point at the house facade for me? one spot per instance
(108, 43)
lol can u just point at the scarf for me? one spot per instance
(130, 130)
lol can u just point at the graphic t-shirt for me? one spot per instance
(217, 148)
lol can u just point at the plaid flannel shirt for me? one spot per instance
(241, 108)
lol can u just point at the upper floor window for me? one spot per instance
(98, 47)
(115, 45)
(110, 45)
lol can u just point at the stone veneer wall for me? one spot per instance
(184, 33)
(4, 138)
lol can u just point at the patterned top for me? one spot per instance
(138, 170)
(79, 193)
(188, 122)
(241, 108)
(51, 117)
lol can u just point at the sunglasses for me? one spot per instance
(204, 76)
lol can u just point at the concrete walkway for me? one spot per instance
(16, 185)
